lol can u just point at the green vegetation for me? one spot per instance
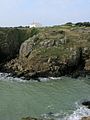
(11, 40)
(86, 24)
(33, 32)
(50, 51)
(49, 41)
(62, 42)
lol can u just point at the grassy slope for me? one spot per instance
(75, 37)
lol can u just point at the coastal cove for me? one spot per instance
(58, 99)
(45, 72)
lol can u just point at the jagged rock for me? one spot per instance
(85, 118)
(47, 43)
(26, 48)
(52, 52)
(9, 44)
(86, 103)
(87, 65)
(29, 118)
(10, 41)
(60, 41)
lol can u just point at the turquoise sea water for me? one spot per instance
(52, 98)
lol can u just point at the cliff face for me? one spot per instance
(52, 51)
(10, 41)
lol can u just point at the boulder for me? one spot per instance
(86, 103)
(86, 118)
(26, 48)
(30, 118)
(47, 43)
(87, 65)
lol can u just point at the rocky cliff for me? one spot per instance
(10, 41)
(49, 51)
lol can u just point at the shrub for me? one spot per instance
(69, 24)
(34, 31)
(86, 24)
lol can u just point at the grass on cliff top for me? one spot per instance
(60, 52)
(76, 37)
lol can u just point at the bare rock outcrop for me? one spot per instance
(53, 52)
(86, 118)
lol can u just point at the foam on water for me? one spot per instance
(48, 78)
(7, 77)
(75, 113)
(80, 112)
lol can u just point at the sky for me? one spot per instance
(46, 12)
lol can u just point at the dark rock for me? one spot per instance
(51, 52)
(86, 118)
(86, 103)
(9, 45)
(87, 65)
(50, 113)
(75, 74)
(32, 118)
(29, 118)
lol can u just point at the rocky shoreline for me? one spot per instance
(84, 103)
(29, 118)
(45, 52)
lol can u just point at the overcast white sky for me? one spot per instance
(47, 12)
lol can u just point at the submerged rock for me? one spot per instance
(29, 118)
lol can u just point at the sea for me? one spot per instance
(58, 98)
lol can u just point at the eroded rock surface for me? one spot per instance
(86, 118)
(53, 52)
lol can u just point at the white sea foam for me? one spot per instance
(43, 79)
(80, 112)
(54, 78)
(7, 77)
